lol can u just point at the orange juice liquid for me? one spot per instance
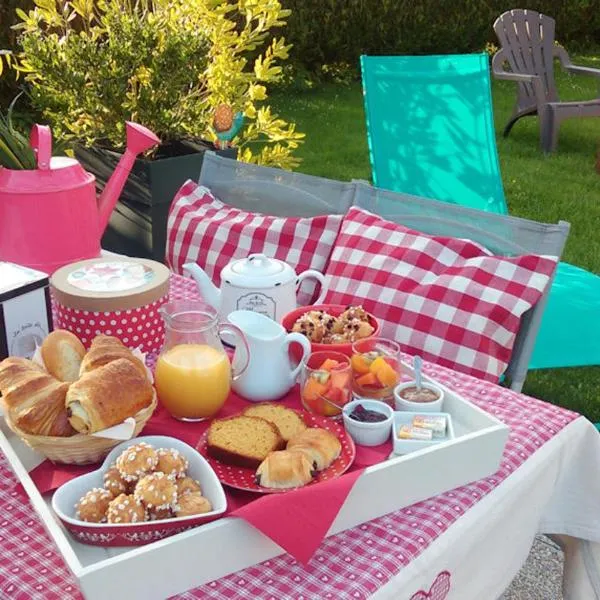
(193, 380)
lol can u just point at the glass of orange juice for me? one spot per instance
(193, 373)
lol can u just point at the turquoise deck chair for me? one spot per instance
(430, 122)
(431, 133)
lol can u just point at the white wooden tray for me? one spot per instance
(184, 561)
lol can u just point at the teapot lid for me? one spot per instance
(257, 271)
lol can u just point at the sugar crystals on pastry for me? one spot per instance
(310, 326)
(93, 505)
(156, 491)
(330, 323)
(125, 509)
(114, 482)
(354, 312)
(355, 329)
(321, 327)
(171, 462)
(186, 484)
(160, 514)
(144, 484)
(192, 504)
(137, 461)
(335, 338)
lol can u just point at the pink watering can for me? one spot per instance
(50, 217)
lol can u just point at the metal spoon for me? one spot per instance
(417, 366)
(340, 408)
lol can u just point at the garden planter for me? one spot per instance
(138, 224)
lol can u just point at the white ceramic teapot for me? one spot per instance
(256, 283)
(269, 374)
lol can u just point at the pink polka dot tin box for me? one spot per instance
(117, 296)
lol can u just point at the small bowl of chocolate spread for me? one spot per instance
(429, 398)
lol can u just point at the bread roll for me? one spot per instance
(105, 349)
(320, 446)
(34, 400)
(108, 395)
(62, 353)
(284, 469)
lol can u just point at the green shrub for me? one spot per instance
(8, 17)
(91, 65)
(339, 31)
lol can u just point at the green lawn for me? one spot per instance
(563, 186)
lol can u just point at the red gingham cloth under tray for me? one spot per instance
(351, 564)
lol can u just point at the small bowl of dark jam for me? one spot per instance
(366, 415)
(369, 422)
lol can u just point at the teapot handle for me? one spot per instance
(312, 274)
(306, 349)
(236, 371)
(41, 143)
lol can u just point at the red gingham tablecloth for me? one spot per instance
(351, 564)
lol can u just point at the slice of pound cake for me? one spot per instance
(242, 440)
(288, 421)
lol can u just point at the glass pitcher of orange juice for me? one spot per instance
(193, 373)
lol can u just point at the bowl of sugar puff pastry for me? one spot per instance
(147, 489)
(332, 327)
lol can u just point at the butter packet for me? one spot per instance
(407, 432)
(436, 424)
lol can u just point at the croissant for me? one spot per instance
(284, 469)
(105, 349)
(34, 400)
(12, 369)
(321, 447)
(107, 396)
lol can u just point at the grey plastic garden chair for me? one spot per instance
(283, 193)
(527, 45)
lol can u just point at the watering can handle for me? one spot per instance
(41, 143)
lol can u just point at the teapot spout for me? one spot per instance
(209, 291)
(139, 139)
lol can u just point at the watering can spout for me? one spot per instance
(139, 139)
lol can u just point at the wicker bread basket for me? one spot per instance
(79, 449)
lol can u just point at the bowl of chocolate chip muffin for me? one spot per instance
(332, 327)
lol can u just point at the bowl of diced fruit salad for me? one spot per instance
(375, 366)
(326, 383)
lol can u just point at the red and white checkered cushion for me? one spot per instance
(449, 300)
(206, 231)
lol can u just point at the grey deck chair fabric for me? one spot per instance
(527, 45)
(293, 194)
(501, 234)
(273, 191)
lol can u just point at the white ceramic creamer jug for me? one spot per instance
(270, 374)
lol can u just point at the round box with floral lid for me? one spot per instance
(112, 295)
